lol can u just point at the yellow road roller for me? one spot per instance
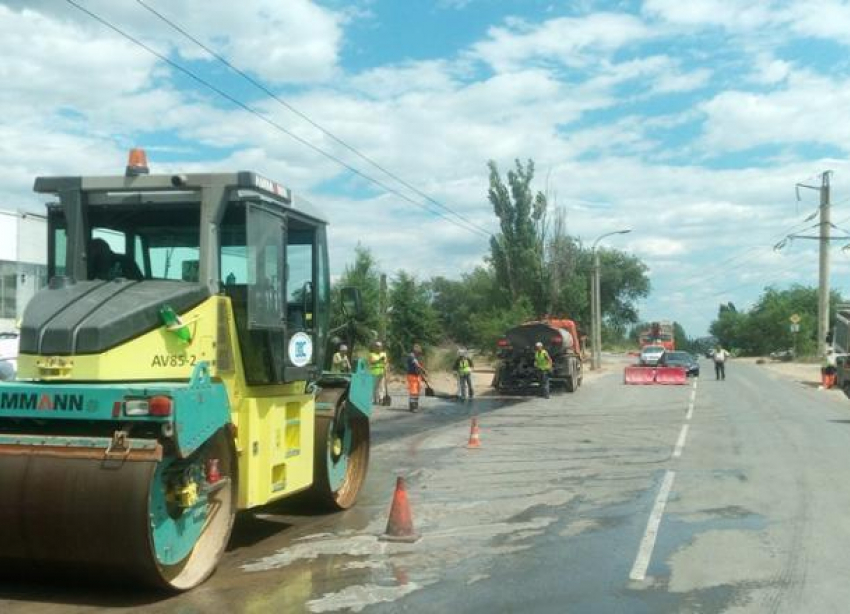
(172, 373)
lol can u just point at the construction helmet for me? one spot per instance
(539, 344)
(343, 348)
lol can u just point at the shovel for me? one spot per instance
(430, 392)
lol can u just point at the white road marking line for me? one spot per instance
(696, 383)
(647, 544)
(677, 451)
(690, 413)
(693, 395)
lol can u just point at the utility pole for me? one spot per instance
(823, 237)
(823, 269)
(593, 315)
(382, 309)
(597, 316)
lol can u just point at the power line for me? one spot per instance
(753, 248)
(749, 284)
(269, 121)
(259, 85)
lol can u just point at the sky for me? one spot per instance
(687, 122)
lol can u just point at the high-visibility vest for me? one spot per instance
(542, 360)
(377, 363)
(463, 366)
(341, 363)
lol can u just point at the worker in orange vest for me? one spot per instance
(415, 371)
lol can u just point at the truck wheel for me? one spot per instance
(497, 379)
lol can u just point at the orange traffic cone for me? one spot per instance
(474, 439)
(400, 522)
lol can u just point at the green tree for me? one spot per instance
(461, 303)
(363, 273)
(412, 318)
(623, 280)
(517, 251)
(490, 325)
(568, 268)
(766, 328)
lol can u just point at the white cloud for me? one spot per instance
(769, 70)
(281, 42)
(796, 113)
(681, 82)
(659, 245)
(568, 41)
(51, 64)
(828, 19)
(730, 14)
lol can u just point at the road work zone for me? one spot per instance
(744, 519)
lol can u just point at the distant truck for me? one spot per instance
(516, 371)
(658, 333)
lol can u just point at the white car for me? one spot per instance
(651, 354)
(8, 355)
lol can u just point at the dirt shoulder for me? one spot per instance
(802, 372)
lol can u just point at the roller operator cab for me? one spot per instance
(168, 376)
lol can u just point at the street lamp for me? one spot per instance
(596, 302)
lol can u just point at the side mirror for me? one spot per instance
(352, 303)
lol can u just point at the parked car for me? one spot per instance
(681, 359)
(784, 355)
(8, 355)
(651, 354)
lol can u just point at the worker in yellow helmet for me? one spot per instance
(463, 369)
(378, 368)
(543, 364)
(341, 363)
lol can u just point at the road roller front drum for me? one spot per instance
(118, 521)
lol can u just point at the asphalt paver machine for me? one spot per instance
(171, 374)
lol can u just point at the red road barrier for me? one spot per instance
(671, 375)
(640, 375)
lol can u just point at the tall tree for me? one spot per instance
(363, 273)
(623, 280)
(412, 318)
(567, 275)
(517, 252)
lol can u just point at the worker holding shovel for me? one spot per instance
(415, 373)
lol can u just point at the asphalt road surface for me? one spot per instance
(727, 496)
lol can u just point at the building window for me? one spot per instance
(8, 289)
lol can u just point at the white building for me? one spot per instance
(23, 263)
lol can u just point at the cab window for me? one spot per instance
(300, 279)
